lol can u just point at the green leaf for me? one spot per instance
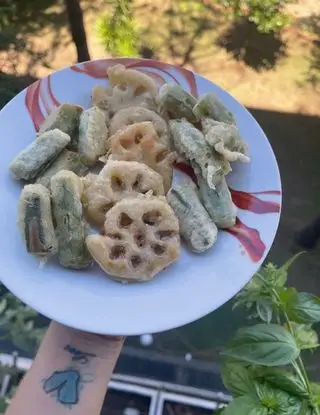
(315, 387)
(286, 381)
(286, 295)
(306, 338)
(245, 405)
(304, 308)
(236, 378)
(264, 310)
(264, 344)
(277, 400)
(3, 305)
(3, 405)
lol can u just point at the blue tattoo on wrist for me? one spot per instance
(65, 385)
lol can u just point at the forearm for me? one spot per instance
(69, 374)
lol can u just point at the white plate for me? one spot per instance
(186, 291)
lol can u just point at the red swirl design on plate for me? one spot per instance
(32, 102)
(98, 69)
(248, 237)
(40, 101)
(248, 201)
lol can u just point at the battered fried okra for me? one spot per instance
(67, 160)
(35, 221)
(39, 154)
(71, 228)
(196, 227)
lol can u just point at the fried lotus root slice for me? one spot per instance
(191, 144)
(71, 229)
(121, 77)
(35, 221)
(67, 160)
(65, 117)
(39, 154)
(196, 226)
(141, 239)
(176, 102)
(100, 97)
(226, 140)
(209, 106)
(140, 142)
(128, 88)
(132, 115)
(116, 181)
(93, 135)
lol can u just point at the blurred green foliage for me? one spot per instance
(118, 30)
(17, 322)
(18, 326)
(267, 15)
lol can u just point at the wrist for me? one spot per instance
(102, 346)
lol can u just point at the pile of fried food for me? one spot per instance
(137, 131)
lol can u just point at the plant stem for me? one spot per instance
(298, 363)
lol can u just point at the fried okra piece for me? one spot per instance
(191, 144)
(209, 106)
(218, 203)
(196, 226)
(35, 221)
(71, 228)
(176, 102)
(93, 135)
(39, 154)
(65, 117)
(225, 139)
(67, 160)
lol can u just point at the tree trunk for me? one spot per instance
(78, 32)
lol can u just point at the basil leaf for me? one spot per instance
(304, 308)
(245, 405)
(264, 310)
(286, 381)
(264, 344)
(278, 401)
(286, 295)
(236, 378)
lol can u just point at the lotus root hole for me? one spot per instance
(117, 252)
(162, 154)
(125, 220)
(138, 138)
(140, 90)
(117, 184)
(126, 142)
(165, 234)
(140, 239)
(122, 87)
(116, 235)
(158, 249)
(135, 261)
(151, 218)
